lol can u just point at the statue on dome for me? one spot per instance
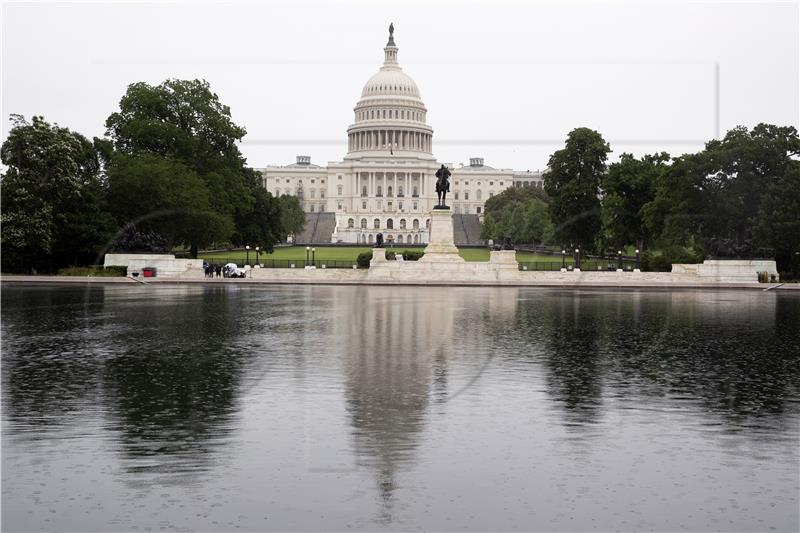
(442, 186)
(391, 29)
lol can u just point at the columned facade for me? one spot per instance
(386, 182)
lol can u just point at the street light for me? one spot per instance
(619, 256)
(638, 260)
(247, 254)
(577, 258)
(313, 251)
(308, 250)
(563, 259)
(257, 249)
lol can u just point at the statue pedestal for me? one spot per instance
(441, 247)
(378, 256)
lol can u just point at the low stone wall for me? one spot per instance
(166, 265)
(728, 270)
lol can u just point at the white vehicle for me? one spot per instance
(230, 270)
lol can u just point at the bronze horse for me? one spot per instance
(442, 186)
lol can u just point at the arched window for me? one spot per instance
(415, 223)
(402, 223)
(389, 191)
(363, 223)
(478, 195)
(371, 238)
(351, 223)
(376, 223)
(390, 224)
(380, 191)
(416, 239)
(428, 223)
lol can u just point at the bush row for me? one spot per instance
(364, 258)
(98, 271)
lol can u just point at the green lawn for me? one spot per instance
(347, 253)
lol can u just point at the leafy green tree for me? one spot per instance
(183, 121)
(161, 195)
(53, 198)
(293, 218)
(573, 183)
(537, 226)
(779, 219)
(497, 203)
(628, 185)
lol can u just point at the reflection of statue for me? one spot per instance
(379, 240)
(442, 186)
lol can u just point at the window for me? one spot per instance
(376, 223)
(501, 183)
(287, 180)
(389, 205)
(322, 193)
(478, 210)
(414, 192)
(389, 190)
(400, 191)
(428, 223)
(402, 223)
(363, 190)
(339, 206)
(415, 206)
(363, 223)
(380, 190)
(370, 238)
(478, 195)
(312, 181)
(491, 183)
(363, 204)
(312, 193)
(415, 223)
(339, 177)
(491, 193)
(351, 223)
(390, 224)
(456, 195)
(312, 208)
(400, 206)
(466, 195)
(339, 190)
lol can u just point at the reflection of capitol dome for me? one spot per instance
(390, 116)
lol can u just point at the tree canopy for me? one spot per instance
(573, 181)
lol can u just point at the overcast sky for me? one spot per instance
(505, 81)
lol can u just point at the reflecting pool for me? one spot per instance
(405, 408)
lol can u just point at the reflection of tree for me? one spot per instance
(729, 354)
(397, 343)
(50, 365)
(174, 387)
(572, 359)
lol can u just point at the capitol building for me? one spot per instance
(386, 182)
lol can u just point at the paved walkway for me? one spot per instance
(616, 284)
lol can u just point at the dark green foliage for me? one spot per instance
(662, 260)
(573, 184)
(363, 259)
(779, 219)
(628, 186)
(53, 198)
(408, 255)
(95, 271)
(520, 213)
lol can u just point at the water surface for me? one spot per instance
(377, 408)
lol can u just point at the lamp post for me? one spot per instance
(577, 259)
(308, 251)
(247, 254)
(638, 260)
(313, 252)
(619, 259)
(257, 251)
(563, 260)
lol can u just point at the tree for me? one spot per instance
(166, 197)
(573, 184)
(53, 198)
(293, 218)
(183, 121)
(630, 184)
(779, 219)
(497, 203)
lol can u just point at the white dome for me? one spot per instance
(390, 82)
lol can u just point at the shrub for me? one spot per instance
(413, 255)
(363, 259)
(97, 271)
